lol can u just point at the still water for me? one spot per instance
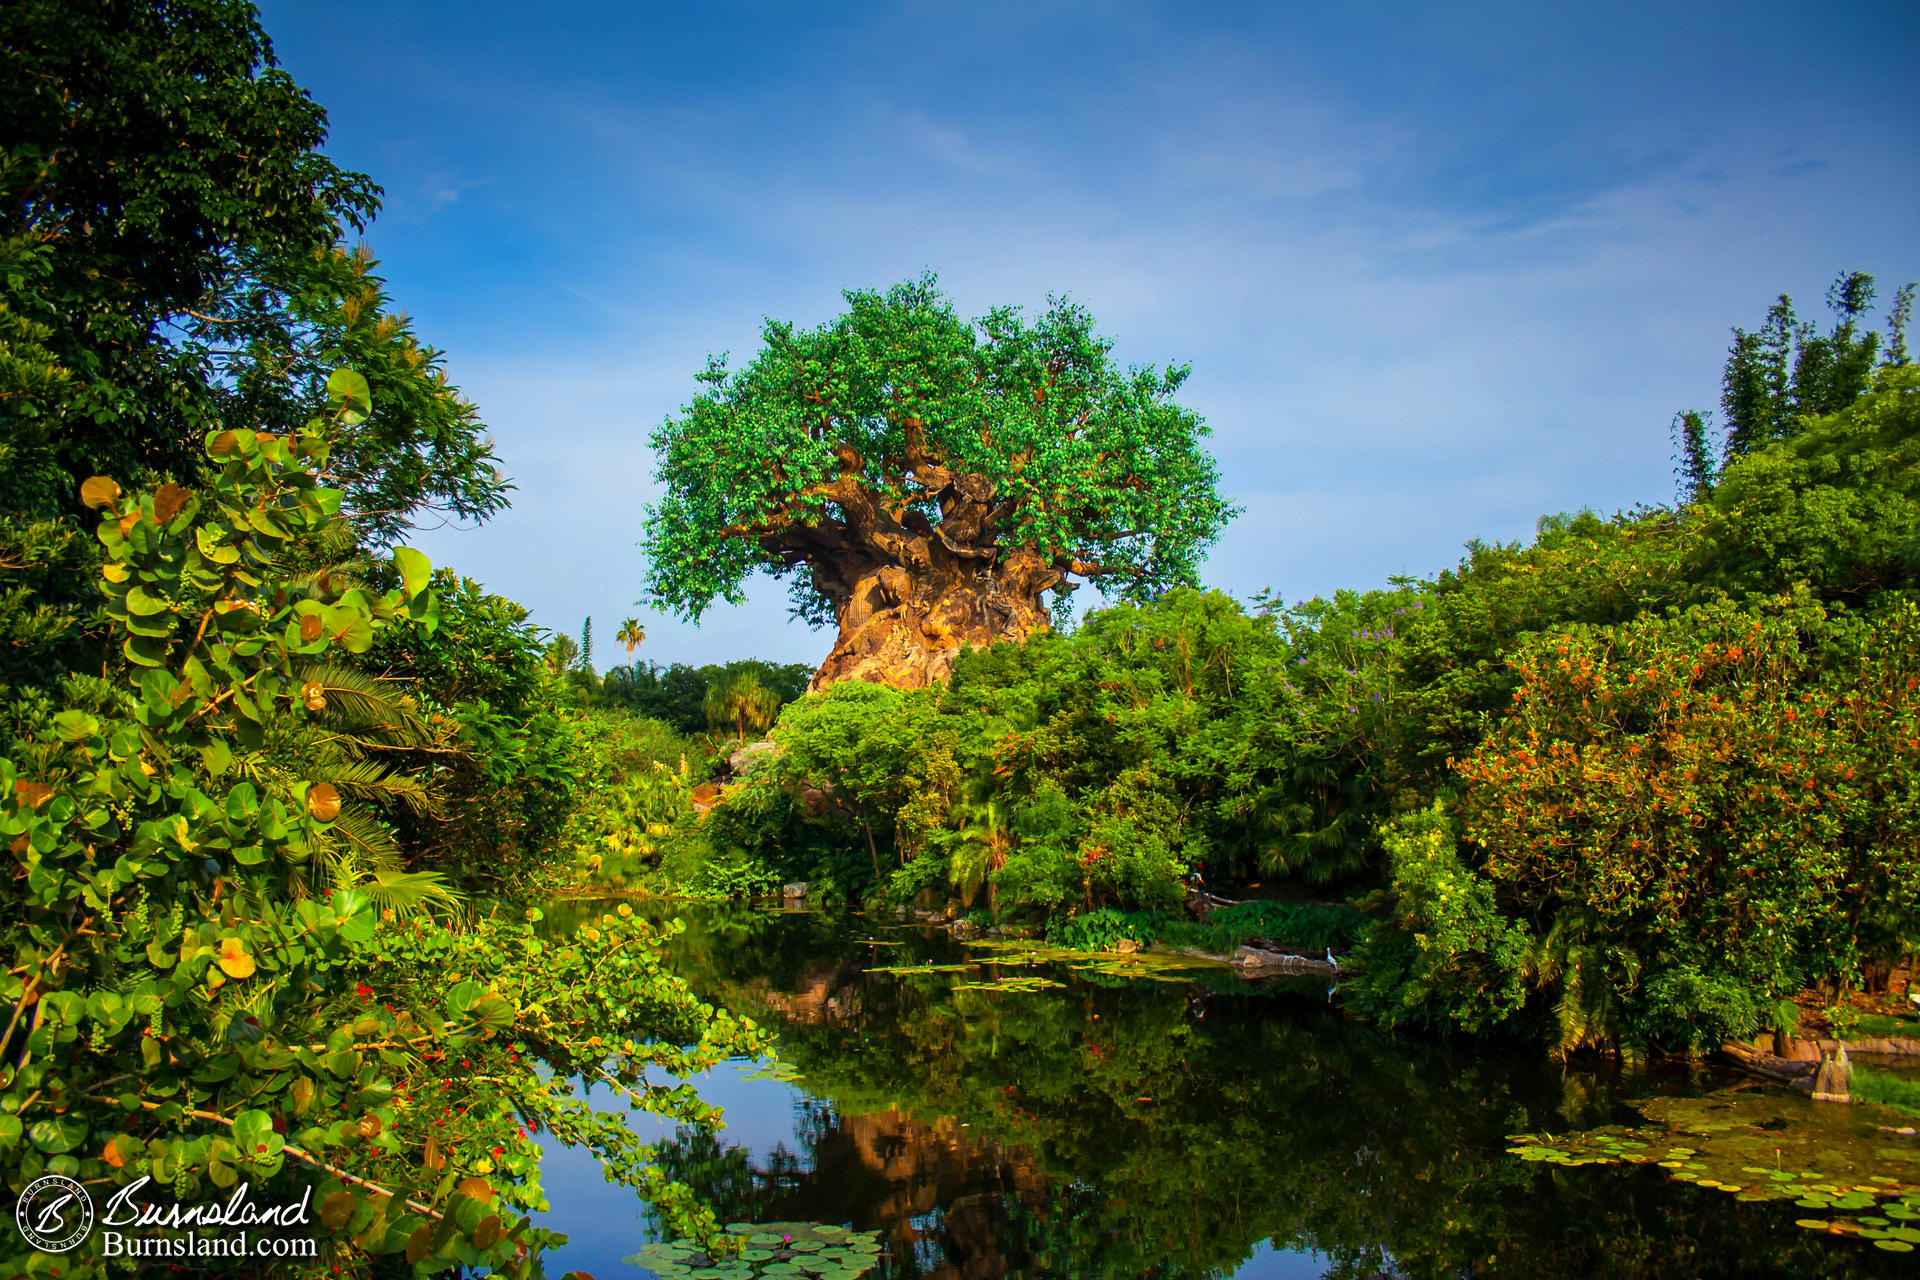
(1178, 1125)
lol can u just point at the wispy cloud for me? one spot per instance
(1436, 276)
(1801, 169)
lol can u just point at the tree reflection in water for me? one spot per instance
(1140, 1128)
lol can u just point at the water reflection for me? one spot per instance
(1152, 1129)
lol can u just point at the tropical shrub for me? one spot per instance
(638, 785)
(1725, 794)
(196, 992)
(1445, 955)
(1101, 930)
(507, 764)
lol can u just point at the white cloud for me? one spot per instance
(1385, 378)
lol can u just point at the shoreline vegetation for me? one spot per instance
(1641, 786)
(282, 801)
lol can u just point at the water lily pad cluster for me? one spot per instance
(1011, 982)
(1157, 965)
(1764, 1146)
(806, 1250)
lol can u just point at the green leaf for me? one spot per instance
(254, 1136)
(462, 997)
(493, 1012)
(217, 756)
(349, 396)
(208, 540)
(140, 600)
(146, 651)
(57, 1135)
(415, 570)
(264, 523)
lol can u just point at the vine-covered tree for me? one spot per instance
(926, 481)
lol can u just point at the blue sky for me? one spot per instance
(1438, 269)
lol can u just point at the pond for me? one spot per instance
(1080, 1122)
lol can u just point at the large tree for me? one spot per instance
(172, 264)
(926, 481)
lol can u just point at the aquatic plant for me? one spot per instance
(1763, 1145)
(751, 1250)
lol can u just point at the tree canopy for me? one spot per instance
(905, 465)
(171, 234)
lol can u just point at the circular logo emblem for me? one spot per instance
(54, 1213)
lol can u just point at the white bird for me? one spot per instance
(1330, 960)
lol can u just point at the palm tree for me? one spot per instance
(631, 634)
(562, 654)
(742, 701)
(982, 849)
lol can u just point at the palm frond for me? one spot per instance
(407, 893)
(370, 841)
(356, 703)
(369, 781)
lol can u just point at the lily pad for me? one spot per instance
(1761, 1145)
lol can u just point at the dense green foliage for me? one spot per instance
(1785, 371)
(1637, 783)
(639, 775)
(681, 695)
(171, 260)
(195, 949)
(256, 768)
(171, 221)
(505, 759)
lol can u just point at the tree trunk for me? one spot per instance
(907, 590)
(904, 623)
